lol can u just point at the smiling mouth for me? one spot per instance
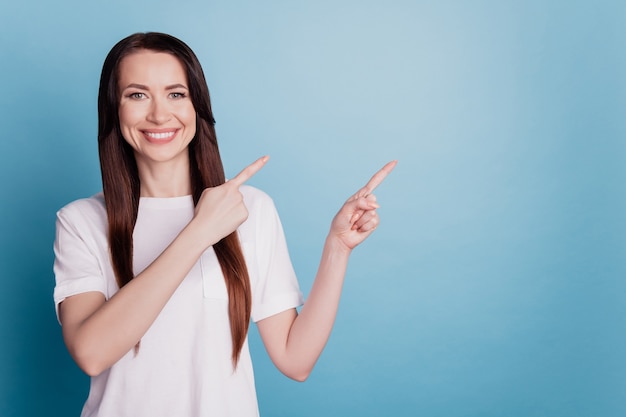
(160, 135)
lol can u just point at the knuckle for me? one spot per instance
(243, 215)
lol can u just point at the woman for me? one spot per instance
(159, 275)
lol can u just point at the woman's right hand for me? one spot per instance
(221, 210)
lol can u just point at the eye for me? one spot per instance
(177, 95)
(137, 96)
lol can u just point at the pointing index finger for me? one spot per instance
(249, 171)
(378, 178)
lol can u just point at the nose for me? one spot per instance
(159, 112)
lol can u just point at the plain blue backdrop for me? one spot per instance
(495, 285)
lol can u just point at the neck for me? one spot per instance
(164, 179)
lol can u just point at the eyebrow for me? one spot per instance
(144, 87)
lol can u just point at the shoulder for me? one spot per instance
(253, 197)
(91, 209)
(263, 217)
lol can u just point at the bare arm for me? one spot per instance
(98, 332)
(294, 342)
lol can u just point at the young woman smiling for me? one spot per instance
(158, 276)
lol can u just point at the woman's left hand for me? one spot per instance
(357, 219)
(295, 340)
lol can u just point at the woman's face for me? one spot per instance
(156, 114)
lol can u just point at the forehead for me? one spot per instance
(151, 68)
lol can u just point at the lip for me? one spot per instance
(159, 136)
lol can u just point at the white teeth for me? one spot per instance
(160, 135)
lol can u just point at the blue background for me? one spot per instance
(495, 285)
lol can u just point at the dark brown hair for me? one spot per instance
(120, 178)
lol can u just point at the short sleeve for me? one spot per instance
(274, 284)
(77, 267)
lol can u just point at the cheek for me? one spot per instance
(190, 115)
(190, 119)
(128, 116)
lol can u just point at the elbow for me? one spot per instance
(298, 375)
(90, 371)
(297, 368)
(87, 359)
(89, 365)
(301, 378)
(91, 368)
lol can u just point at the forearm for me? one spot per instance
(312, 327)
(114, 327)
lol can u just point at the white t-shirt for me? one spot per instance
(183, 367)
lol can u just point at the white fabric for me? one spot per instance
(183, 367)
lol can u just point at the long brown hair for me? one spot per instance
(120, 177)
